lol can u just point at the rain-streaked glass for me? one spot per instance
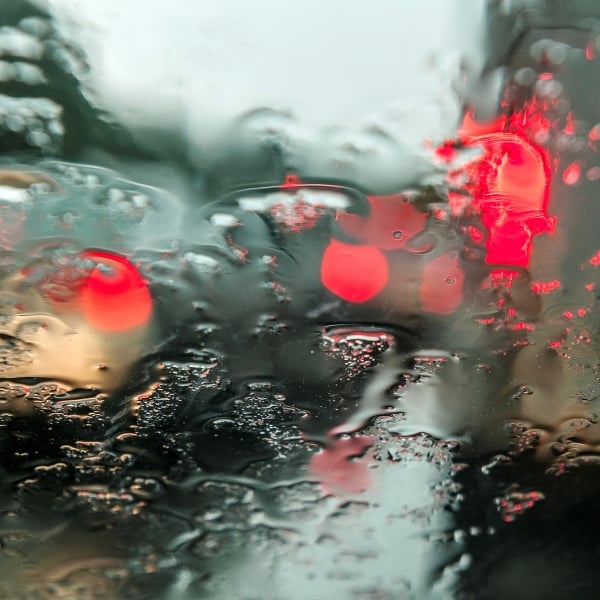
(299, 301)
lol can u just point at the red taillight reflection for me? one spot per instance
(355, 273)
(506, 185)
(509, 183)
(114, 297)
(105, 288)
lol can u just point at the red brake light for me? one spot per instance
(355, 273)
(114, 296)
(105, 288)
(509, 182)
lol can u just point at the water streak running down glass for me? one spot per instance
(299, 301)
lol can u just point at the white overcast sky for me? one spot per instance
(195, 64)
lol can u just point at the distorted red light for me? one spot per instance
(522, 326)
(392, 222)
(503, 277)
(446, 152)
(545, 287)
(441, 289)
(291, 181)
(590, 51)
(594, 133)
(488, 321)
(509, 182)
(114, 296)
(570, 126)
(475, 234)
(571, 174)
(595, 260)
(471, 128)
(458, 203)
(355, 273)
(336, 470)
(508, 243)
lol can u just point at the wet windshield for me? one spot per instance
(296, 305)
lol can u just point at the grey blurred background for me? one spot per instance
(193, 67)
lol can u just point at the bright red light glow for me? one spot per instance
(114, 297)
(355, 273)
(595, 260)
(509, 183)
